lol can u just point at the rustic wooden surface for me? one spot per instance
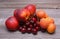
(4, 34)
(21, 3)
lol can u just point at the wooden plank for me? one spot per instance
(21, 3)
(4, 34)
(42, 1)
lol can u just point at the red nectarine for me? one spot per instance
(12, 23)
(31, 8)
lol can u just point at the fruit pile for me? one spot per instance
(31, 21)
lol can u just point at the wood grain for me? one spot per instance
(4, 34)
(55, 4)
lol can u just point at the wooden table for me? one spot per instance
(4, 34)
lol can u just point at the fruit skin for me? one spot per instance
(30, 25)
(29, 30)
(15, 12)
(20, 28)
(37, 28)
(23, 30)
(50, 20)
(51, 28)
(27, 23)
(23, 14)
(12, 23)
(43, 23)
(31, 8)
(34, 31)
(34, 19)
(41, 14)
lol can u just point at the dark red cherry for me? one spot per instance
(23, 30)
(35, 24)
(29, 30)
(38, 24)
(43, 30)
(34, 19)
(35, 16)
(24, 26)
(20, 28)
(30, 25)
(27, 23)
(32, 22)
(37, 28)
(34, 31)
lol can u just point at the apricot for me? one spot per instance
(51, 28)
(43, 23)
(50, 20)
(41, 14)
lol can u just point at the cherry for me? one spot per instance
(30, 26)
(27, 23)
(43, 30)
(37, 28)
(24, 26)
(29, 30)
(38, 24)
(20, 28)
(23, 30)
(35, 24)
(34, 31)
(34, 19)
(31, 21)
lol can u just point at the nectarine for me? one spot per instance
(23, 14)
(31, 8)
(12, 23)
(15, 12)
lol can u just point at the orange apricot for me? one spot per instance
(51, 28)
(43, 23)
(50, 20)
(41, 14)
